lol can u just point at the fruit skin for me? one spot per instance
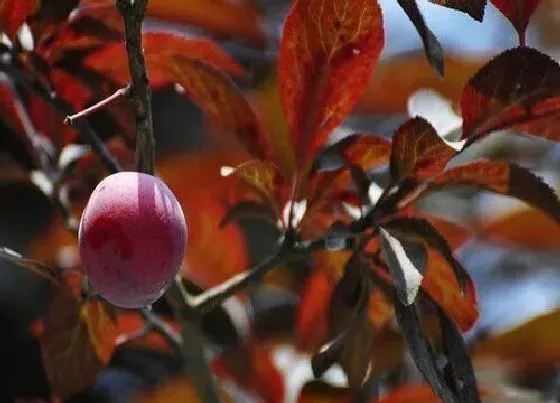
(132, 239)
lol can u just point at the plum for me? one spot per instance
(132, 239)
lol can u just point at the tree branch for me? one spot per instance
(133, 12)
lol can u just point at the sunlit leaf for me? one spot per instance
(323, 44)
(252, 367)
(503, 178)
(432, 47)
(160, 49)
(523, 228)
(474, 8)
(13, 14)
(518, 12)
(418, 151)
(131, 328)
(406, 266)
(519, 88)
(530, 346)
(262, 177)
(78, 339)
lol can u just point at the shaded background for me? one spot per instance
(514, 284)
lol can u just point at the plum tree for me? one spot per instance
(132, 239)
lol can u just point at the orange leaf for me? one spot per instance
(418, 151)
(456, 235)
(532, 346)
(519, 88)
(518, 13)
(396, 79)
(77, 341)
(252, 367)
(160, 48)
(441, 284)
(311, 316)
(524, 228)
(13, 14)
(503, 178)
(213, 254)
(177, 390)
(261, 177)
(324, 44)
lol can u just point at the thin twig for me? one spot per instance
(133, 13)
(213, 297)
(118, 94)
(85, 130)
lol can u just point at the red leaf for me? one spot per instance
(474, 8)
(236, 20)
(518, 12)
(411, 394)
(503, 178)
(252, 367)
(418, 152)
(160, 49)
(321, 392)
(324, 44)
(77, 341)
(13, 14)
(130, 324)
(520, 88)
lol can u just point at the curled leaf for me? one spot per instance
(518, 13)
(474, 8)
(519, 88)
(418, 151)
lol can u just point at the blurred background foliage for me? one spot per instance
(514, 254)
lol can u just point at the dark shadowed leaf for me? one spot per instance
(432, 47)
(461, 365)
(519, 88)
(503, 178)
(406, 265)
(37, 267)
(349, 326)
(474, 8)
(13, 14)
(361, 181)
(421, 349)
(226, 19)
(323, 44)
(247, 210)
(419, 230)
(418, 151)
(78, 339)
(518, 12)
(222, 102)
(160, 49)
